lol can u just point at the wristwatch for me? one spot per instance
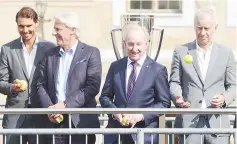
(65, 104)
(223, 105)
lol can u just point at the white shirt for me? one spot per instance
(29, 57)
(203, 61)
(130, 68)
(64, 67)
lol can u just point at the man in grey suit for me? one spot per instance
(207, 81)
(70, 77)
(18, 60)
(135, 81)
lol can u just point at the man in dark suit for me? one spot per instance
(135, 81)
(18, 60)
(70, 77)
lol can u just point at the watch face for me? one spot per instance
(65, 104)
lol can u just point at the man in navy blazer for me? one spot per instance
(135, 81)
(70, 77)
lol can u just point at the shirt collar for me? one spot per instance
(36, 41)
(71, 51)
(200, 49)
(139, 62)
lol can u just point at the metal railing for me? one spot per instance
(139, 132)
(117, 111)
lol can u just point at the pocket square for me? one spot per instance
(81, 61)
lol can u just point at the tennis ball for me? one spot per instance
(59, 119)
(188, 59)
(22, 84)
(125, 122)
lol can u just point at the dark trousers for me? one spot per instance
(15, 139)
(75, 139)
(127, 139)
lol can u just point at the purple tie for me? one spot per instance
(132, 79)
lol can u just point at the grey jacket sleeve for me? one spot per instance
(5, 86)
(230, 80)
(175, 77)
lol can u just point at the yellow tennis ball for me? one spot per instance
(59, 119)
(23, 85)
(125, 122)
(188, 59)
(17, 81)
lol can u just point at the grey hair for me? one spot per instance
(70, 20)
(206, 11)
(135, 26)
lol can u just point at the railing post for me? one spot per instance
(235, 137)
(140, 136)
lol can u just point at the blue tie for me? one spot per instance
(132, 79)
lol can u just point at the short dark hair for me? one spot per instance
(27, 12)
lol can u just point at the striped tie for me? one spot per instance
(132, 79)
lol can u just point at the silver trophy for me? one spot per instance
(155, 41)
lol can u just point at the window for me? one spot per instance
(171, 13)
(159, 6)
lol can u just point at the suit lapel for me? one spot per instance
(123, 75)
(39, 54)
(20, 54)
(56, 59)
(77, 56)
(214, 54)
(193, 53)
(142, 74)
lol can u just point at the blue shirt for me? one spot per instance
(63, 70)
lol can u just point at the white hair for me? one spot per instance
(69, 19)
(135, 26)
(206, 11)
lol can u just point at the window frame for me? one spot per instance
(154, 8)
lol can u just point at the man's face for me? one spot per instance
(62, 33)
(136, 44)
(27, 27)
(205, 28)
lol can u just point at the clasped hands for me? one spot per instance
(217, 101)
(54, 118)
(129, 119)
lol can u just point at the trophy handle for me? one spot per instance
(160, 42)
(116, 51)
